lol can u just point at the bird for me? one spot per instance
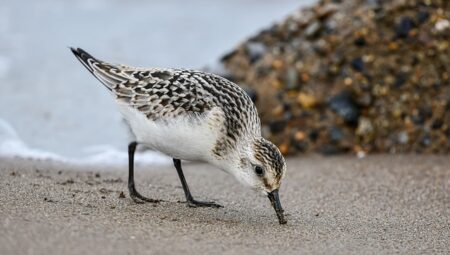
(195, 116)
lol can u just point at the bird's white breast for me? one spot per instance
(181, 137)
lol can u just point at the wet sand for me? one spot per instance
(344, 205)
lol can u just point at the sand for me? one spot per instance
(340, 205)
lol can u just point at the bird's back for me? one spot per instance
(163, 95)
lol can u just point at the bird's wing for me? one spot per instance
(155, 92)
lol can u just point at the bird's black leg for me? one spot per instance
(138, 198)
(190, 200)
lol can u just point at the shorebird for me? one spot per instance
(192, 115)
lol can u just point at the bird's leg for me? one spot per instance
(138, 198)
(189, 199)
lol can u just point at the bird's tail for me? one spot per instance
(106, 73)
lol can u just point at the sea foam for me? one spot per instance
(102, 155)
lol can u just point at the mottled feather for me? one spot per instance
(162, 93)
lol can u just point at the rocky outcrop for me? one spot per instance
(352, 76)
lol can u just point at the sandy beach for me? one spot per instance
(339, 205)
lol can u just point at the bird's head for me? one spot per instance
(261, 165)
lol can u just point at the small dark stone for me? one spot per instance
(313, 135)
(418, 119)
(344, 105)
(97, 175)
(422, 16)
(13, 173)
(277, 126)
(301, 145)
(426, 140)
(336, 134)
(288, 116)
(68, 181)
(364, 100)
(437, 124)
(360, 41)
(104, 190)
(121, 195)
(330, 149)
(400, 80)
(49, 200)
(358, 64)
(263, 70)
(287, 107)
(422, 115)
(403, 28)
(255, 50)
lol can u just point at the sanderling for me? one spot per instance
(192, 115)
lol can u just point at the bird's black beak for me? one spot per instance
(275, 201)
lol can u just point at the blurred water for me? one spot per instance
(55, 105)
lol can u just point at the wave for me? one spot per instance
(12, 146)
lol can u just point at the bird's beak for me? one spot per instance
(275, 201)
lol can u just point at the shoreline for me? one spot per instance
(380, 204)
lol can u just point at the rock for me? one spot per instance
(404, 27)
(255, 51)
(358, 64)
(292, 79)
(301, 145)
(437, 124)
(300, 136)
(313, 30)
(422, 16)
(330, 150)
(362, 76)
(403, 137)
(365, 127)
(277, 126)
(336, 134)
(442, 25)
(306, 101)
(400, 80)
(426, 140)
(345, 107)
(360, 41)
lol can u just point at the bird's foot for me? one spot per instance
(195, 203)
(140, 199)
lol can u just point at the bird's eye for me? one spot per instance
(259, 170)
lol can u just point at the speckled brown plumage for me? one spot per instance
(165, 93)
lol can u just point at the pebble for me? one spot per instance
(404, 27)
(255, 51)
(313, 29)
(358, 64)
(360, 41)
(345, 107)
(442, 24)
(306, 101)
(345, 76)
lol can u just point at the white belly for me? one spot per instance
(181, 138)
